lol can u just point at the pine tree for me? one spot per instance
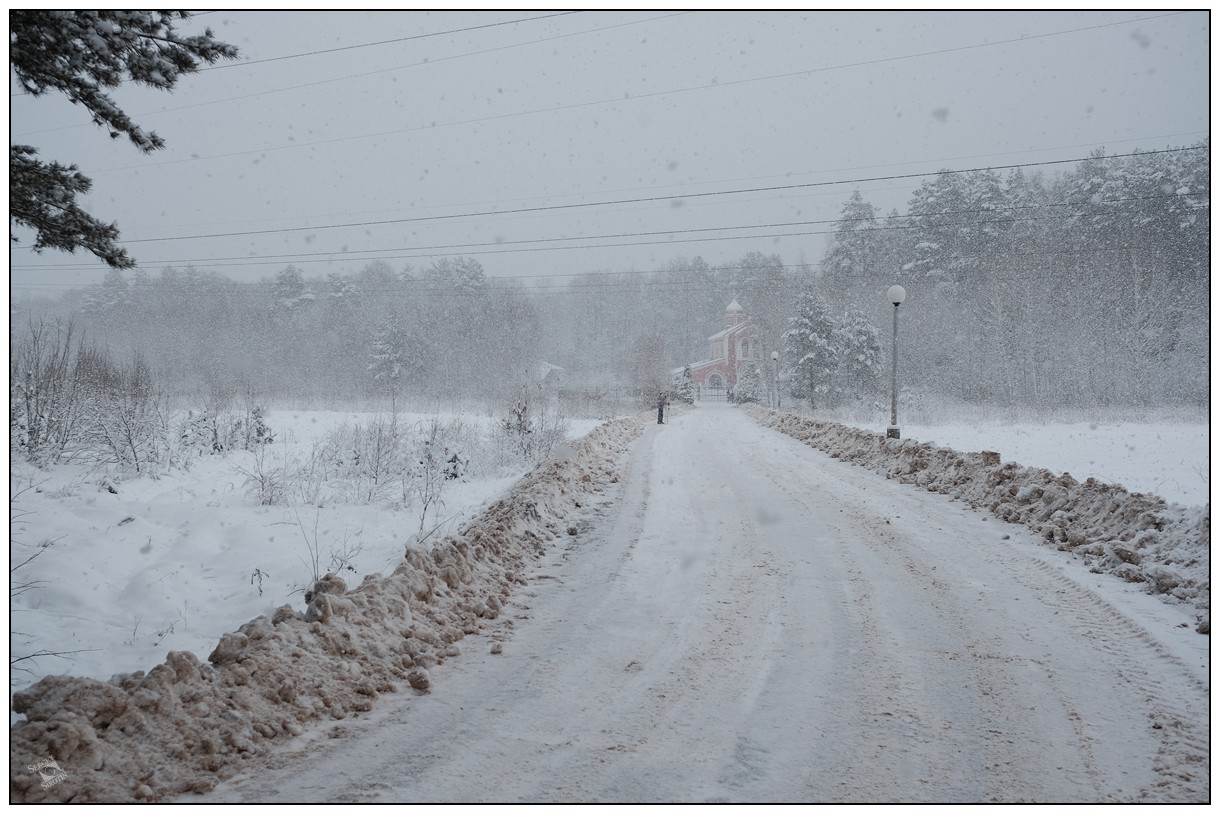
(683, 386)
(82, 54)
(289, 291)
(388, 356)
(852, 254)
(810, 342)
(749, 384)
(858, 348)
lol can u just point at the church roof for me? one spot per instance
(729, 331)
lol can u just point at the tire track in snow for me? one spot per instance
(898, 744)
(742, 625)
(1177, 713)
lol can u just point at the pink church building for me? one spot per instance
(728, 351)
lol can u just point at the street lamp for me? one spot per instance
(775, 376)
(896, 295)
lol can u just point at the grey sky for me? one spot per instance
(586, 107)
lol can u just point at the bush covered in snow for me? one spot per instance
(72, 401)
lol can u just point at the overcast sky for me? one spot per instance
(416, 125)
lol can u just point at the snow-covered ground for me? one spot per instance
(1170, 460)
(173, 562)
(654, 560)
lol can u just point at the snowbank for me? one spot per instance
(1137, 537)
(186, 725)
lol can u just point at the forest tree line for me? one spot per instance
(1086, 290)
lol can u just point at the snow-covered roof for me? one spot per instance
(701, 365)
(729, 331)
(545, 369)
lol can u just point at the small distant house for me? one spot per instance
(548, 376)
(728, 351)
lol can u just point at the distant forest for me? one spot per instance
(1089, 289)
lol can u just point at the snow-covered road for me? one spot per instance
(749, 620)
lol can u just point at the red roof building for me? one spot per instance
(728, 351)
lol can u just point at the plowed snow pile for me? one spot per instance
(187, 725)
(1137, 537)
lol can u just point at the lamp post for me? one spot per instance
(775, 376)
(896, 295)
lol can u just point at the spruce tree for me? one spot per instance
(810, 344)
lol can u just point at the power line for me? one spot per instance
(369, 255)
(344, 79)
(630, 98)
(388, 42)
(652, 199)
(415, 286)
(938, 161)
(247, 63)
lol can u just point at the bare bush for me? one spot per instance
(530, 429)
(436, 458)
(126, 420)
(45, 410)
(267, 477)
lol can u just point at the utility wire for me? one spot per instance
(387, 42)
(630, 98)
(753, 179)
(414, 286)
(653, 199)
(367, 255)
(333, 80)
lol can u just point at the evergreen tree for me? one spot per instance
(683, 386)
(852, 254)
(82, 54)
(113, 296)
(810, 346)
(290, 291)
(388, 357)
(750, 386)
(858, 348)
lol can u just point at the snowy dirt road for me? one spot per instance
(749, 620)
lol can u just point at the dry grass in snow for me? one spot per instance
(186, 725)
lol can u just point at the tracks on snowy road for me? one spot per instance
(752, 621)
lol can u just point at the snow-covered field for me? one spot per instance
(172, 562)
(1170, 460)
(175, 563)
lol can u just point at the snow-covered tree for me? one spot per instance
(83, 54)
(388, 357)
(290, 292)
(860, 362)
(750, 386)
(852, 254)
(683, 386)
(810, 346)
(113, 295)
(457, 275)
(42, 197)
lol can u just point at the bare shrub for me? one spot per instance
(46, 411)
(267, 477)
(436, 458)
(530, 429)
(126, 420)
